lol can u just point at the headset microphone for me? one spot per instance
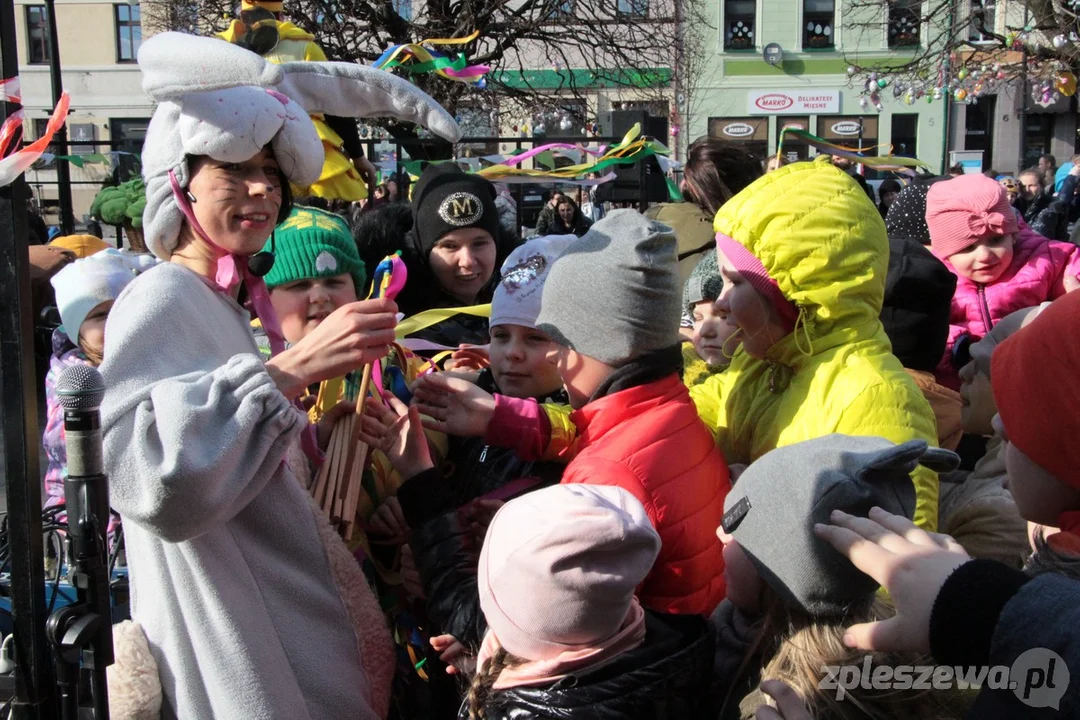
(261, 263)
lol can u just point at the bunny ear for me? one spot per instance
(175, 64)
(358, 91)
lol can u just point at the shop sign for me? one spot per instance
(738, 130)
(771, 102)
(847, 127)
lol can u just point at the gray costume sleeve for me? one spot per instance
(194, 427)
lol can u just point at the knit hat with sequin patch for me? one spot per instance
(517, 296)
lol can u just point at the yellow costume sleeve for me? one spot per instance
(314, 53)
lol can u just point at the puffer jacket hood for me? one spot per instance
(668, 676)
(825, 246)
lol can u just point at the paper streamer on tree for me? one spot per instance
(894, 163)
(418, 59)
(14, 165)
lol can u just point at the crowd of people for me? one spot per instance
(664, 465)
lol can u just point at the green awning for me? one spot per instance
(602, 78)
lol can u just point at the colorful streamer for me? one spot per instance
(419, 59)
(17, 163)
(10, 90)
(631, 149)
(894, 163)
(9, 131)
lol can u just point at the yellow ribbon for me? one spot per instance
(426, 319)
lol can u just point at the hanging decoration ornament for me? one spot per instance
(1066, 84)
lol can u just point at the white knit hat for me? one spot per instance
(84, 284)
(517, 296)
(221, 100)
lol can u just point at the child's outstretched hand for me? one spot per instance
(397, 432)
(453, 404)
(469, 357)
(454, 654)
(909, 562)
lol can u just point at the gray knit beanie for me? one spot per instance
(704, 283)
(614, 294)
(772, 509)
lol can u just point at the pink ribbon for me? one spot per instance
(231, 268)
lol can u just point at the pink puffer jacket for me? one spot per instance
(1036, 275)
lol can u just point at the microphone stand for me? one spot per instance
(81, 633)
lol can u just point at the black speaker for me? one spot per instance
(643, 182)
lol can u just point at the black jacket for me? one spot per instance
(666, 677)
(443, 548)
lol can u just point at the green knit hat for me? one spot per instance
(313, 243)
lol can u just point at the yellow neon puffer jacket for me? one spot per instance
(825, 244)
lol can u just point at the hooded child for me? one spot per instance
(805, 280)
(979, 512)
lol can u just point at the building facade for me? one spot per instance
(98, 43)
(743, 97)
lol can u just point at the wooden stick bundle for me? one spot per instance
(339, 482)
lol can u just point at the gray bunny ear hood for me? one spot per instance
(220, 100)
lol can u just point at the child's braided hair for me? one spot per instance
(481, 687)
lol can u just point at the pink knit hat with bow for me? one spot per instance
(559, 567)
(965, 210)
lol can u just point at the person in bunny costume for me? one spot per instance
(252, 608)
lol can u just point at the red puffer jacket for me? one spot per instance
(650, 441)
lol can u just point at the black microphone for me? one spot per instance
(261, 262)
(84, 631)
